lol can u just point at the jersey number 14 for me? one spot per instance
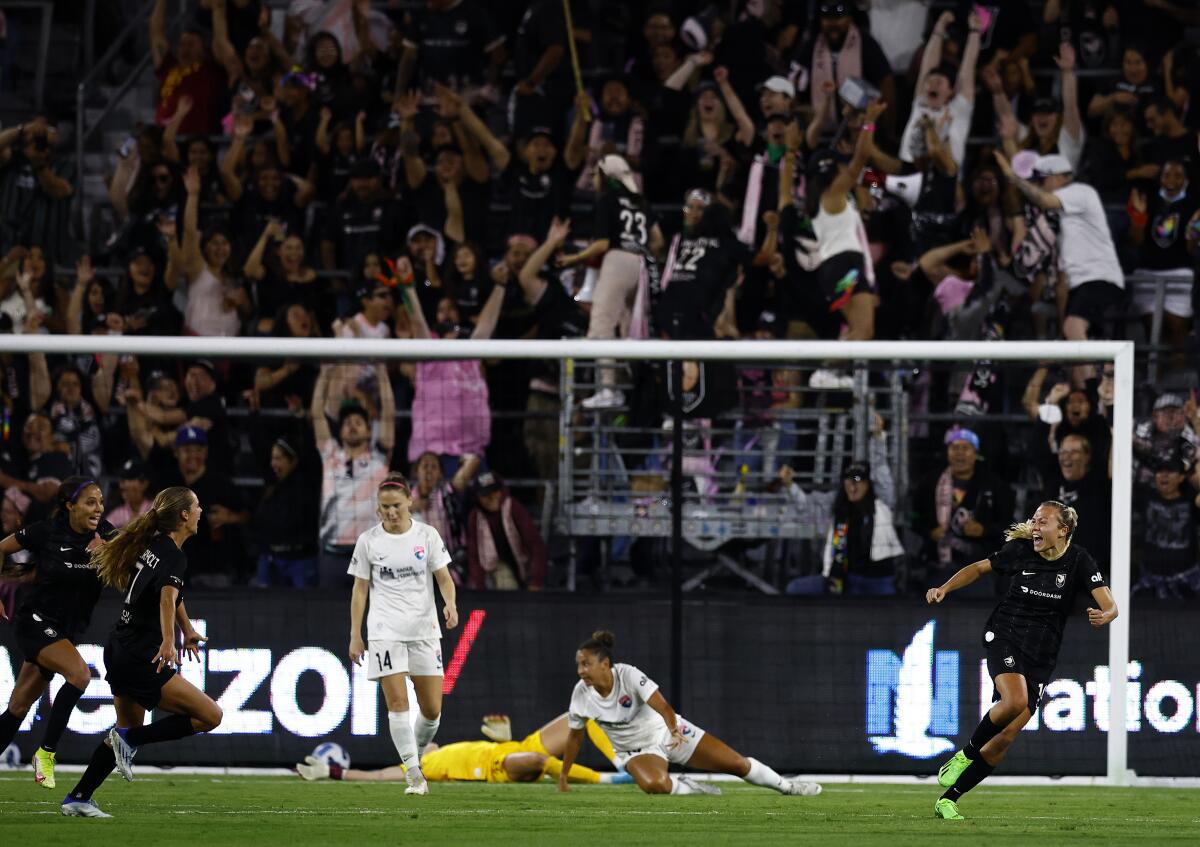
(384, 661)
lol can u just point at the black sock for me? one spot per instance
(167, 729)
(9, 724)
(984, 733)
(975, 773)
(98, 769)
(60, 713)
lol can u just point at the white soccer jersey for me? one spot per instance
(400, 569)
(624, 715)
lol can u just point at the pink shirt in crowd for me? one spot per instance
(450, 414)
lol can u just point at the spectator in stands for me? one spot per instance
(1115, 161)
(839, 50)
(963, 509)
(544, 83)
(1132, 90)
(35, 188)
(337, 148)
(448, 43)
(712, 137)
(696, 290)
(216, 301)
(153, 420)
(205, 410)
(134, 485)
(253, 70)
(275, 197)
(188, 71)
(156, 194)
(1054, 127)
(861, 545)
(215, 553)
(467, 281)
(334, 88)
(948, 103)
(143, 301)
(90, 303)
(1080, 479)
(618, 128)
(76, 430)
(287, 383)
(441, 502)
(1171, 431)
(1088, 257)
(285, 519)
(624, 238)
(1172, 138)
(505, 551)
(354, 464)
(1165, 217)
(282, 277)
(450, 413)
(44, 468)
(1064, 411)
(1170, 520)
(366, 219)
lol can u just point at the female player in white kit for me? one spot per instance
(646, 733)
(394, 565)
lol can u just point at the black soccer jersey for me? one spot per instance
(699, 272)
(65, 588)
(1041, 593)
(160, 565)
(623, 220)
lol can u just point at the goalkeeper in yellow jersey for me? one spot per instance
(499, 759)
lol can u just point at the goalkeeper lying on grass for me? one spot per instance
(498, 760)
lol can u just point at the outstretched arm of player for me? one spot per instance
(446, 586)
(1108, 607)
(659, 704)
(962, 579)
(358, 607)
(574, 742)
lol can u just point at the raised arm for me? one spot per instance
(1035, 195)
(932, 57)
(222, 48)
(847, 178)
(254, 268)
(961, 579)
(243, 125)
(84, 274)
(489, 315)
(532, 285)
(191, 260)
(478, 130)
(745, 126)
(687, 69)
(171, 130)
(39, 381)
(1033, 390)
(1072, 121)
(387, 410)
(316, 409)
(160, 48)
(970, 58)
(404, 270)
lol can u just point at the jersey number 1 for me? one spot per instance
(384, 661)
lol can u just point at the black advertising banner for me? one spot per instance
(831, 686)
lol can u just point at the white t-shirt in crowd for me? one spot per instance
(624, 715)
(400, 568)
(1086, 252)
(953, 122)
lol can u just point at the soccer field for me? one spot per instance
(213, 811)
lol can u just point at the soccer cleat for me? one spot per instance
(43, 768)
(796, 788)
(81, 809)
(619, 778)
(313, 769)
(605, 398)
(416, 782)
(699, 787)
(947, 810)
(949, 773)
(123, 753)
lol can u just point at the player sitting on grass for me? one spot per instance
(648, 735)
(499, 760)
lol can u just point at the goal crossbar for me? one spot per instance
(1121, 353)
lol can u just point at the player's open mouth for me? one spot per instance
(1037, 538)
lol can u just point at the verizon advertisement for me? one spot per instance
(817, 687)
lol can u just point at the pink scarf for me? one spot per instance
(849, 61)
(639, 322)
(489, 559)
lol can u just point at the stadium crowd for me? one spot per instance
(891, 169)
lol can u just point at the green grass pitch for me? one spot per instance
(233, 810)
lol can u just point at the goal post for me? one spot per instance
(1120, 353)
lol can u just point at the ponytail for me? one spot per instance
(1019, 531)
(1067, 516)
(114, 561)
(601, 644)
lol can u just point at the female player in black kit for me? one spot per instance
(1023, 635)
(146, 562)
(55, 612)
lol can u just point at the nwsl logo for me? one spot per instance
(419, 553)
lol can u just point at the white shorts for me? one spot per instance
(416, 658)
(1177, 298)
(676, 756)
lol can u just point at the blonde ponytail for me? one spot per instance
(1019, 531)
(114, 561)
(1067, 516)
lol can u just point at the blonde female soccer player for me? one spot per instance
(499, 760)
(394, 565)
(1023, 635)
(647, 734)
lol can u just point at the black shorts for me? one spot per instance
(1092, 300)
(841, 277)
(34, 636)
(1002, 658)
(132, 672)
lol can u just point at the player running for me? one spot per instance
(394, 565)
(146, 561)
(1023, 635)
(499, 760)
(647, 734)
(55, 613)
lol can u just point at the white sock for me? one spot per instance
(403, 738)
(426, 729)
(762, 775)
(680, 786)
